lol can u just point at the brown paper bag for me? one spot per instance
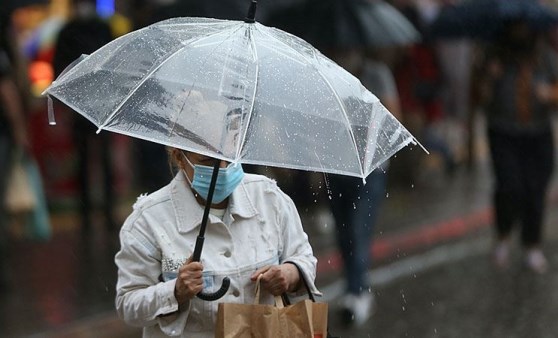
(303, 319)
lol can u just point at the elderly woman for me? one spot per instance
(253, 229)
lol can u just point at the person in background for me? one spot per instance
(253, 229)
(421, 85)
(84, 34)
(13, 135)
(518, 89)
(355, 205)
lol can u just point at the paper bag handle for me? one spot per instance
(278, 299)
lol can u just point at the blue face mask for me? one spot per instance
(227, 180)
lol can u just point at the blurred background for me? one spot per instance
(432, 249)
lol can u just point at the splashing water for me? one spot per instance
(328, 188)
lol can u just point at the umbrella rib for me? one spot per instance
(337, 98)
(346, 119)
(148, 75)
(255, 58)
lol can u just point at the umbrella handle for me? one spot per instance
(226, 281)
(217, 294)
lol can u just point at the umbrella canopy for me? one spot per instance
(349, 23)
(236, 91)
(485, 19)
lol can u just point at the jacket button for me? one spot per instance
(236, 293)
(227, 253)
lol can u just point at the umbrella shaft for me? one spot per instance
(198, 249)
(199, 241)
(251, 16)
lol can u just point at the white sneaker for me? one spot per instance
(357, 309)
(502, 254)
(536, 261)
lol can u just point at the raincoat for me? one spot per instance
(261, 226)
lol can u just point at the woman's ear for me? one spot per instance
(176, 158)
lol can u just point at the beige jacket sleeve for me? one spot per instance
(296, 247)
(142, 300)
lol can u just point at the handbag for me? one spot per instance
(287, 301)
(38, 226)
(19, 197)
(25, 197)
(304, 319)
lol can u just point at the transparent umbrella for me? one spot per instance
(233, 90)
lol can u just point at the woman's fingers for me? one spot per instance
(189, 281)
(274, 279)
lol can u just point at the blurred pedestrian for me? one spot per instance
(518, 88)
(355, 205)
(13, 135)
(254, 229)
(84, 34)
(421, 85)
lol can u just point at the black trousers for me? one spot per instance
(85, 138)
(523, 165)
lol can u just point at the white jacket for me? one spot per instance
(261, 227)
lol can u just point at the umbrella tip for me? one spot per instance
(251, 16)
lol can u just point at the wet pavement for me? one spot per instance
(432, 272)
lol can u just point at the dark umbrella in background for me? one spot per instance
(217, 9)
(348, 23)
(484, 19)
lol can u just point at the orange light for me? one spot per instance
(40, 75)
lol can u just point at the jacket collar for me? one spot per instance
(189, 213)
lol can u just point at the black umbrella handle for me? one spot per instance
(210, 297)
(201, 238)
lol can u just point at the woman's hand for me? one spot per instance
(189, 281)
(278, 279)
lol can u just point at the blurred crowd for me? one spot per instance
(438, 87)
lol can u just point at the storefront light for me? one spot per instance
(105, 8)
